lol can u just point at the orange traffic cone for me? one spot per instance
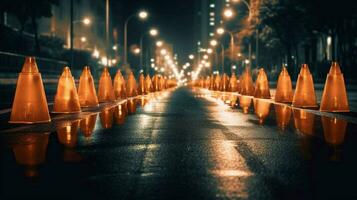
(305, 93)
(334, 130)
(86, 90)
(66, 99)
(119, 86)
(30, 151)
(162, 83)
(246, 83)
(87, 124)
(106, 117)
(262, 109)
(244, 103)
(131, 85)
(141, 88)
(30, 103)
(224, 82)
(284, 90)
(155, 83)
(217, 83)
(262, 85)
(67, 133)
(282, 115)
(105, 88)
(233, 83)
(148, 84)
(304, 121)
(334, 97)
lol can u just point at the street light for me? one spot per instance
(86, 21)
(163, 52)
(228, 13)
(159, 43)
(191, 57)
(221, 31)
(213, 43)
(142, 15)
(152, 32)
(83, 39)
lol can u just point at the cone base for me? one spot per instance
(27, 122)
(297, 106)
(65, 112)
(335, 111)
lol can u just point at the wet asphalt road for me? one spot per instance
(183, 145)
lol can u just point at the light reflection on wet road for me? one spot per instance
(184, 145)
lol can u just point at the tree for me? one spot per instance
(24, 10)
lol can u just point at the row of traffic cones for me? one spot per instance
(30, 103)
(334, 98)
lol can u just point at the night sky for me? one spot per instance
(173, 18)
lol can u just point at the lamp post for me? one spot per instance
(257, 32)
(221, 31)
(142, 15)
(152, 32)
(214, 43)
(86, 21)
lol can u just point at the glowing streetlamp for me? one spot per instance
(228, 13)
(87, 21)
(213, 43)
(159, 43)
(191, 56)
(141, 15)
(136, 51)
(163, 52)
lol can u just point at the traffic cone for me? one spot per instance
(217, 83)
(87, 124)
(225, 82)
(155, 82)
(284, 90)
(131, 85)
(304, 95)
(304, 121)
(119, 86)
(261, 109)
(106, 117)
(246, 83)
(66, 99)
(233, 83)
(162, 83)
(334, 130)
(244, 103)
(67, 133)
(119, 114)
(148, 84)
(141, 88)
(30, 151)
(105, 88)
(207, 81)
(282, 115)
(334, 96)
(30, 103)
(86, 90)
(262, 85)
(211, 83)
